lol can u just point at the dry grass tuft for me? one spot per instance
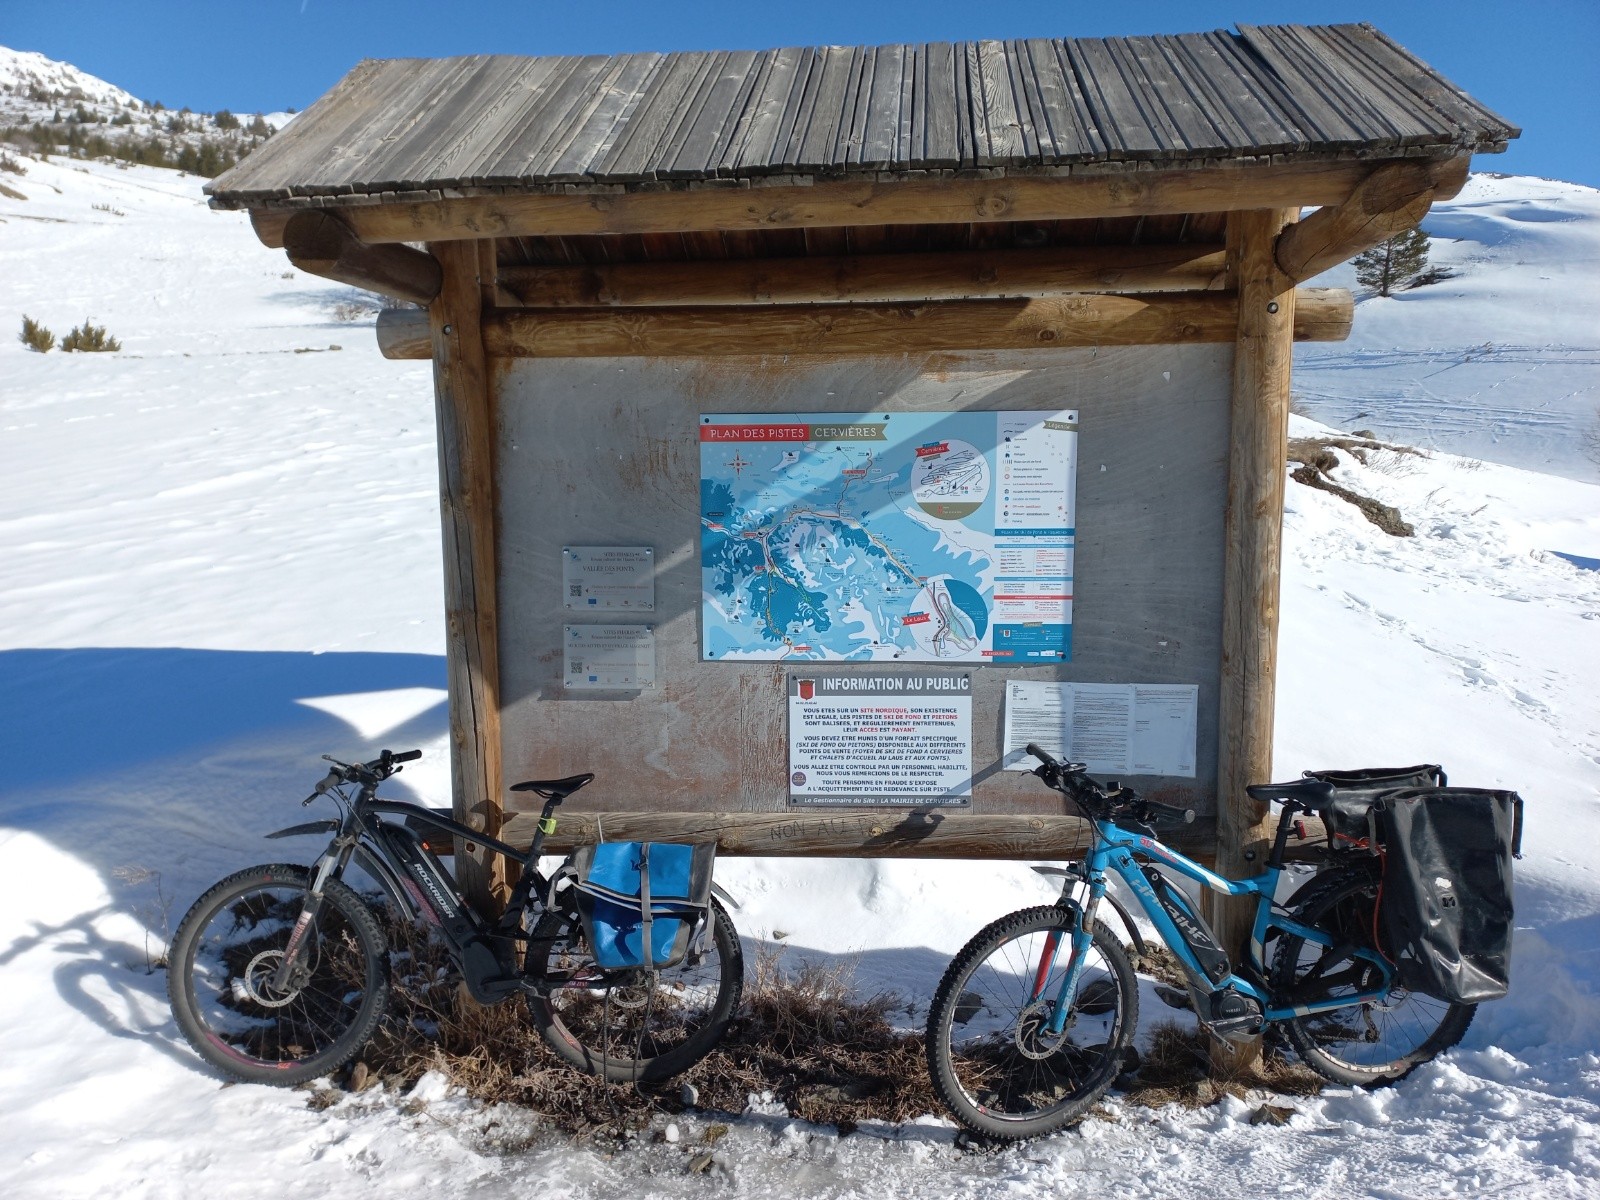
(802, 1038)
(1178, 1068)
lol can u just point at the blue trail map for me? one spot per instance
(912, 537)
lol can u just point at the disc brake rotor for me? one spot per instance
(1032, 1036)
(256, 984)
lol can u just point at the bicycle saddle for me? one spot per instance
(554, 789)
(1313, 793)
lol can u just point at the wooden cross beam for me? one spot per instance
(1392, 199)
(320, 243)
(1321, 315)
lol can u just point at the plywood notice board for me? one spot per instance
(598, 452)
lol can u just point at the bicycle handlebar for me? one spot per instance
(1069, 779)
(368, 773)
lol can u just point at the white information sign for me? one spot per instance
(1113, 728)
(608, 577)
(880, 740)
(609, 657)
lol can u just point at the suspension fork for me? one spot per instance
(1081, 940)
(331, 860)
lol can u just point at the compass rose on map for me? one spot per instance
(738, 463)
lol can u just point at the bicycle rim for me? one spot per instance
(1009, 1075)
(629, 1025)
(227, 953)
(1372, 1043)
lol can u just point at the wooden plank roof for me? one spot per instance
(425, 129)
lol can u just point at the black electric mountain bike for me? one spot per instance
(280, 973)
(1033, 1019)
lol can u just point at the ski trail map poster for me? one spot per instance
(888, 537)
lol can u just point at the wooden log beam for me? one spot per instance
(322, 244)
(825, 833)
(405, 333)
(869, 278)
(862, 202)
(466, 504)
(269, 224)
(859, 833)
(1392, 199)
(1322, 315)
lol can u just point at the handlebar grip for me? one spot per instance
(1043, 755)
(406, 756)
(1168, 813)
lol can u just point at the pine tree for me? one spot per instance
(35, 336)
(1390, 265)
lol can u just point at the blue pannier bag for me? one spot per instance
(635, 893)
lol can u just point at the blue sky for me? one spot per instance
(1534, 62)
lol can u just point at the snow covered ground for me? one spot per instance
(221, 558)
(1502, 361)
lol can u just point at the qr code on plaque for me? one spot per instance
(575, 591)
(577, 668)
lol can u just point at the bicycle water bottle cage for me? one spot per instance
(554, 789)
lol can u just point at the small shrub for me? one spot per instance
(1431, 275)
(7, 163)
(106, 208)
(35, 336)
(225, 119)
(89, 339)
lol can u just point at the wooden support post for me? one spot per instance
(466, 501)
(1257, 464)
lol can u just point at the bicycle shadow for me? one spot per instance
(108, 980)
(174, 763)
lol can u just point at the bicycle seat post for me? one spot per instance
(1281, 841)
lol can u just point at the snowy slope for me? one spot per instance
(25, 70)
(40, 91)
(221, 559)
(1502, 361)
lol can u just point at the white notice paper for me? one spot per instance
(1113, 728)
(880, 740)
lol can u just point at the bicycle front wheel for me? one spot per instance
(994, 1060)
(224, 958)
(1364, 1045)
(635, 1025)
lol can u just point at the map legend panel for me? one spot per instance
(888, 537)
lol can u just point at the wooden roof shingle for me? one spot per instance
(407, 129)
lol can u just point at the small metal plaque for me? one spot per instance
(596, 578)
(609, 657)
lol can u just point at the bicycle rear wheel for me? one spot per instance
(993, 1060)
(1364, 1045)
(228, 948)
(632, 1025)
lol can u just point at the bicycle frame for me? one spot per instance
(1113, 852)
(400, 861)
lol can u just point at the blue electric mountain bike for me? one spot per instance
(1033, 1019)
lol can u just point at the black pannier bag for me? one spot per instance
(1345, 815)
(1445, 908)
